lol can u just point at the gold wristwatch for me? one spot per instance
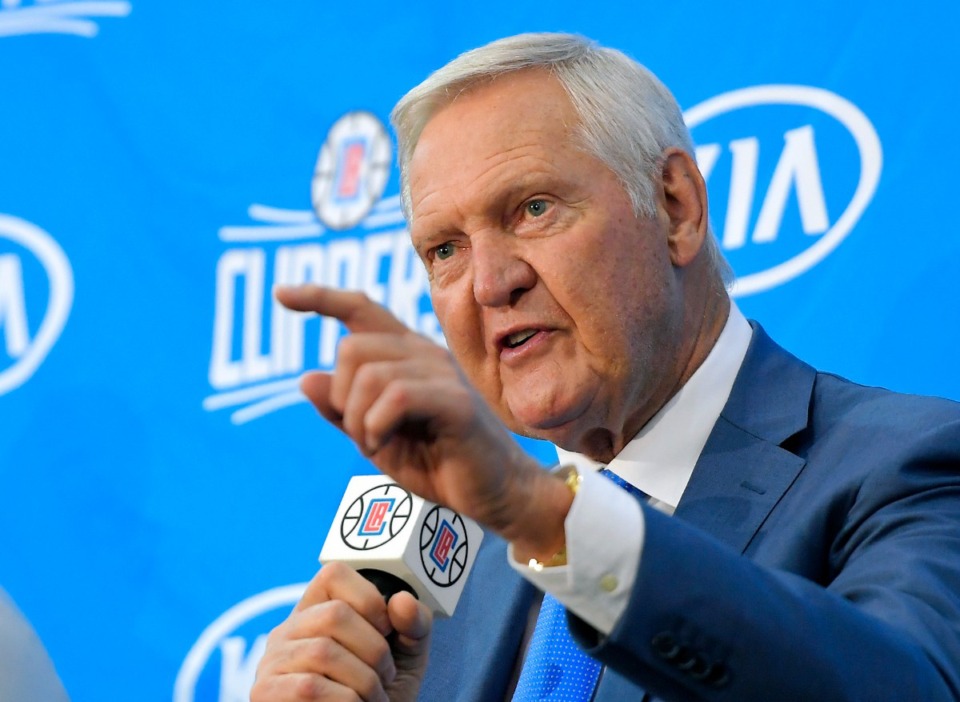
(572, 479)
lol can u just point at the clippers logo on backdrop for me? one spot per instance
(444, 549)
(223, 662)
(790, 170)
(353, 238)
(75, 17)
(36, 294)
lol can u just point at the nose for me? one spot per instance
(501, 275)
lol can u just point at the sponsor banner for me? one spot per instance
(785, 148)
(166, 165)
(259, 349)
(222, 664)
(36, 294)
(73, 17)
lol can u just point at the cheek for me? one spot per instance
(621, 313)
(462, 330)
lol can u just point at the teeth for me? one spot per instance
(514, 340)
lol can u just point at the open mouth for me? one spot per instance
(519, 338)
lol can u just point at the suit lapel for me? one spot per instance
(738, 480)
(744, 469)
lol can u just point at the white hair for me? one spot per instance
(627, 116)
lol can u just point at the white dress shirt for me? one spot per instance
(605, 525)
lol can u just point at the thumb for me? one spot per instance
(316, 386)
(412, 623)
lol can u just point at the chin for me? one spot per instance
(561, 430)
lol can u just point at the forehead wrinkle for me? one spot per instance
(513, 130)
(484, 192)
(494, 186)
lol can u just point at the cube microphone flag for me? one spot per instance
(400, 541)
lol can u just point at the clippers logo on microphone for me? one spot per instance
(376, 520)
(446, 539)
(376, 517)
(444, 549)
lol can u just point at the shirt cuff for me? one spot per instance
(604, 532)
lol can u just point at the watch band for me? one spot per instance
(572, 479)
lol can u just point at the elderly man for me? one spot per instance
(813, 552)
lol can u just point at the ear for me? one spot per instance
(685, 205)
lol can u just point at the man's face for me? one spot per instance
(561, 306)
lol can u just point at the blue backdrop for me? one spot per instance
(163, 487)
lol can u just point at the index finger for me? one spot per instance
(357, 311)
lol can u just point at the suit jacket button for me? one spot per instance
(665, 645)
(696, 667)
(685, 658)
(716, 675)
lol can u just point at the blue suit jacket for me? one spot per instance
(815, 555)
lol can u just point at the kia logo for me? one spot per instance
(793, 177)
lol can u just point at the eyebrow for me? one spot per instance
(528, 184)
(511, 193)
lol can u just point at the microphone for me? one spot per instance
(401, 542)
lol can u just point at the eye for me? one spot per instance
(537, 207)
(444, 251)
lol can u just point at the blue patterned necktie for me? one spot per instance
(555, 669)
(632, 489)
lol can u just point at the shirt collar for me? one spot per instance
(660, 459)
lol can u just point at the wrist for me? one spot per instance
(543, 543)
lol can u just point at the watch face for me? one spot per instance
(352, 170)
